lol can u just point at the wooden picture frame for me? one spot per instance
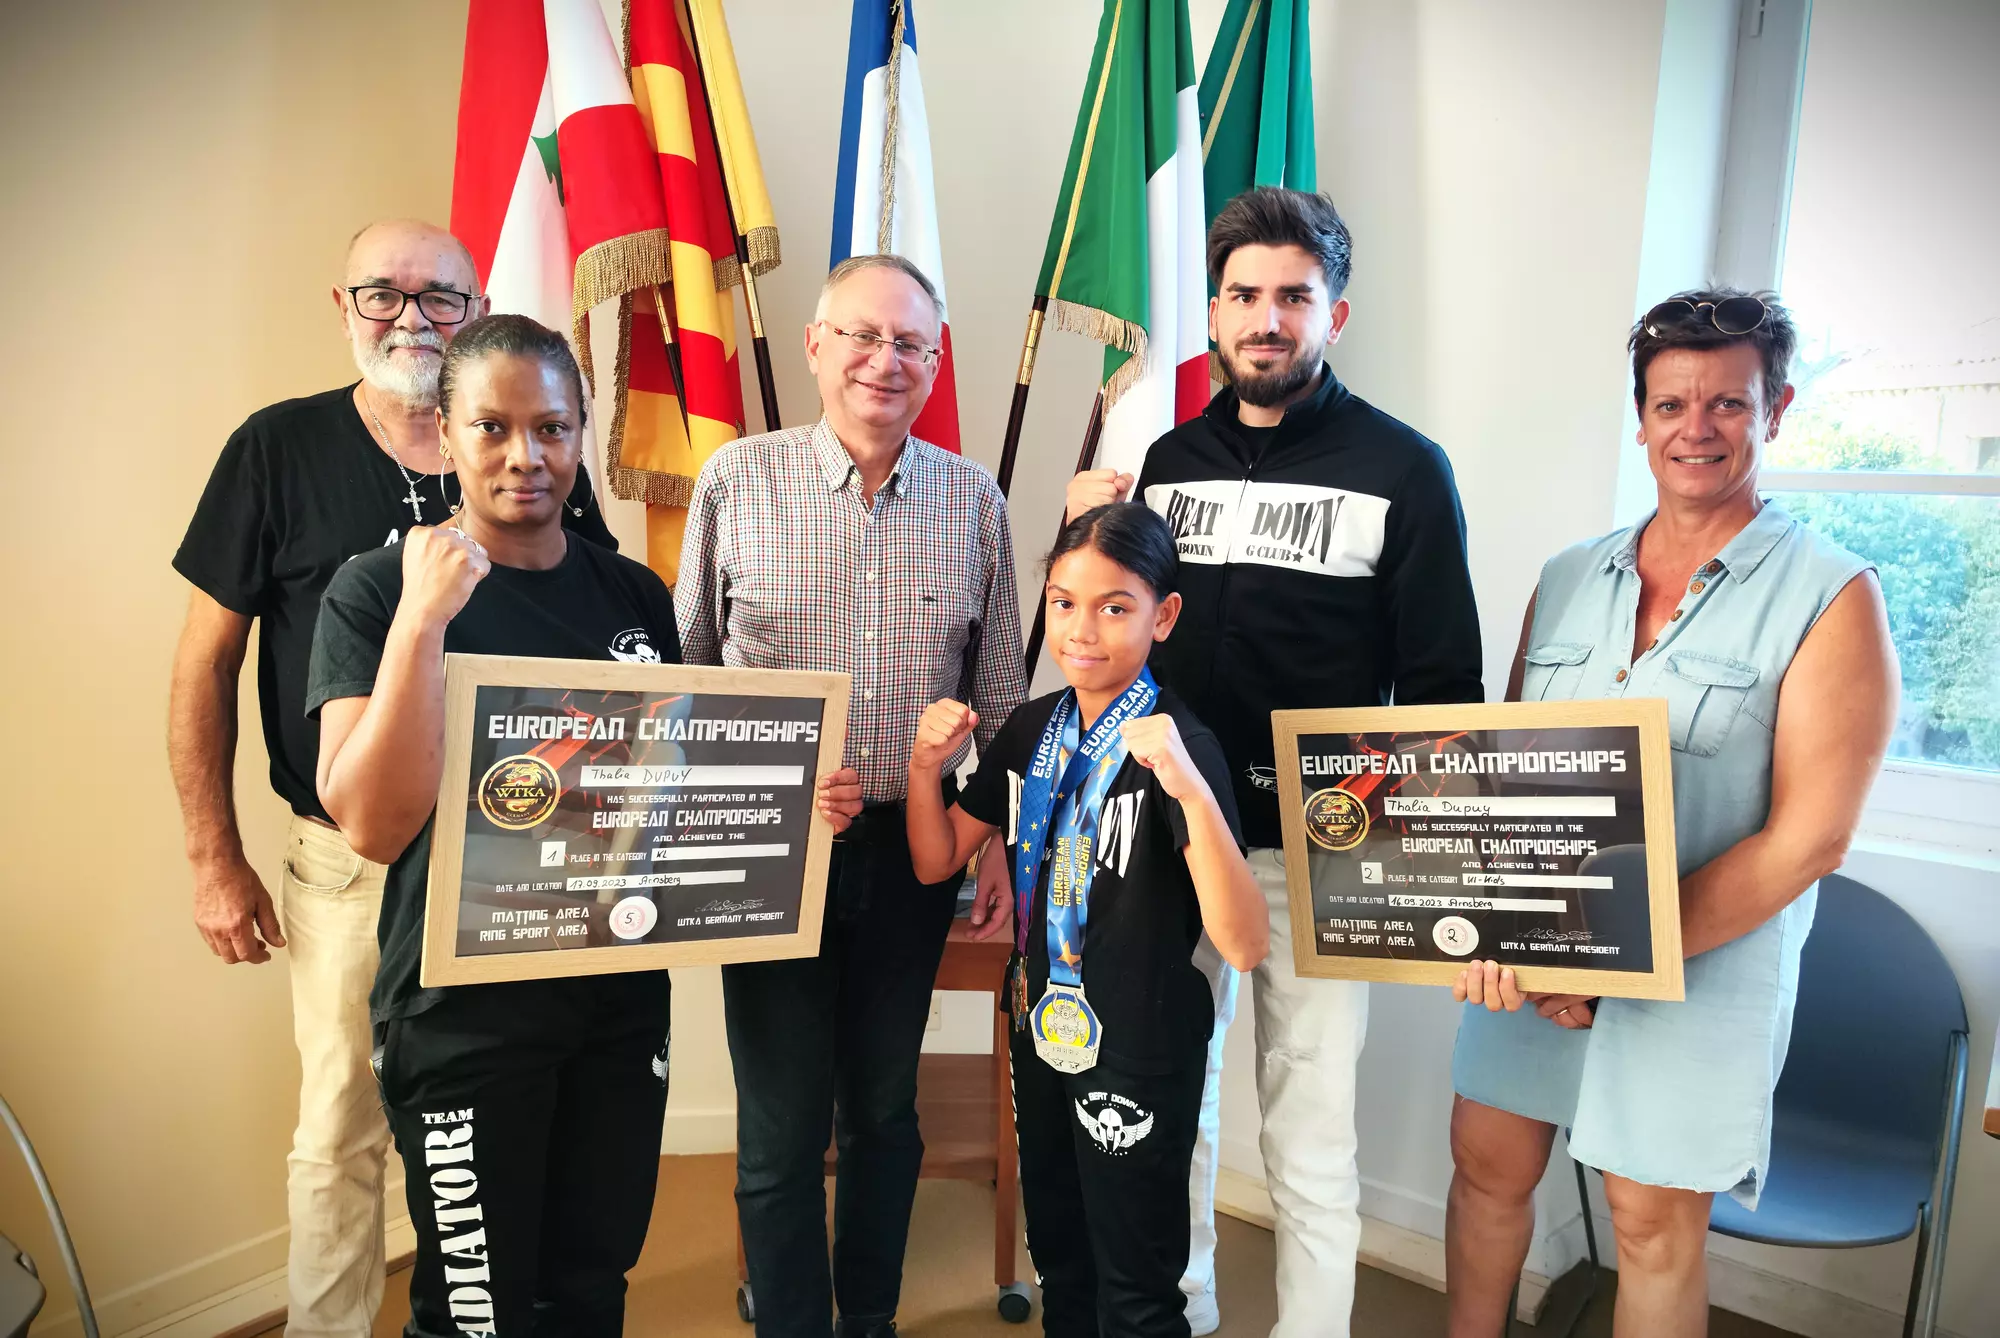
(1351, 825)
(505, 805)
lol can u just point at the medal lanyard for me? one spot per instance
(1046, 803)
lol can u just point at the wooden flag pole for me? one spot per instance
(1083, 458)
(1017, 412)
(760, 348)
(673, 350)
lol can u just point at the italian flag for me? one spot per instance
(884, 199)
(1256, 102)
(1124, 259)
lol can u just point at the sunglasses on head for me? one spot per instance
(1732, 315)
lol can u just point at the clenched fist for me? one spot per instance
(1156, 743)
(944, 726)
(1094, 488)
(440, 567)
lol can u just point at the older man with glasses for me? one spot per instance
(852, 546)
(301, 487)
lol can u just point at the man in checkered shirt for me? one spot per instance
(852, 546)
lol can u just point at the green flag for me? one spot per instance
(1256, 102)
(1123, 263)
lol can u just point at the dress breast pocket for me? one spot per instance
(1553, 671)
(1705, 694)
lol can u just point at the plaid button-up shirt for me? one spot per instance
(784, 568)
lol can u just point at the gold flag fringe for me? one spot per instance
(635, 485)
(765, 256)
(1099, 324)
(614, 269)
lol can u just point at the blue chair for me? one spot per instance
(1872, 1100)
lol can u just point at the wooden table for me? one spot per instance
(965, 1106)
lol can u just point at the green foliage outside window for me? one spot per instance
(1939, 562)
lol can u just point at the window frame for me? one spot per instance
(1935, 805)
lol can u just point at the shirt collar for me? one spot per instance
(1754, 542)
(1741, 556)
(835, 464)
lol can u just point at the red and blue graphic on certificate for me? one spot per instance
(1523, 846)
(598, 819)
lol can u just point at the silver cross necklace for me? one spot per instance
(389, 449)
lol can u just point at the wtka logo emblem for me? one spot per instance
(1188, 515)
(1115, 828)
(519, 792)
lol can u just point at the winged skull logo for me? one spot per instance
(1109, 1128)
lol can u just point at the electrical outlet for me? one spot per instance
(937, 1012)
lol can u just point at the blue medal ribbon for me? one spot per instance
(1061, 798)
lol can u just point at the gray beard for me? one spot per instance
(416, 387)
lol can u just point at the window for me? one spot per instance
(1892, 447)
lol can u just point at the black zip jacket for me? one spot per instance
(1327, 570)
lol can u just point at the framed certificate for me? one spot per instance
(600, 816)
(1536, 834)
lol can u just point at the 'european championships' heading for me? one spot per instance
(1465, 764)
(661, 729)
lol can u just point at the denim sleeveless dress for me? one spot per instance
(1675, 1094)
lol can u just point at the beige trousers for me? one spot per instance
(329, 901)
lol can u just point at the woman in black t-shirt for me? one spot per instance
(1121, 824)
(528, 1113)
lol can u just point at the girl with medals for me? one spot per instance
(1121, 825)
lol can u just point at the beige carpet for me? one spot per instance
(686, 1280)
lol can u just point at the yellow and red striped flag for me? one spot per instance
(660, 440)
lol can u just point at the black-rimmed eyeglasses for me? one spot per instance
(1732, 315)
(441, 306)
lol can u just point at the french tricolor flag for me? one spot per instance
(883, 119)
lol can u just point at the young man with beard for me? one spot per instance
(1323, 563)
(301, 487)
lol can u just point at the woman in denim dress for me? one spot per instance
(1771, 647)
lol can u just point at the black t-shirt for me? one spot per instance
(578, 610)
(1256, 439)
(1138, 944)
(300, 488)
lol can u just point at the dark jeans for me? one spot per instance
(528, 1116)
(831, 1042)
(1104, 1179)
